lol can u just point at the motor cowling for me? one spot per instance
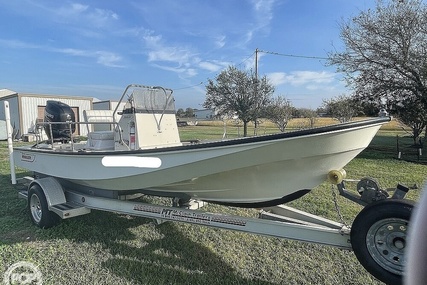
(56, 111)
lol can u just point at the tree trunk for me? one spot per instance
(256, 127)
(245, 129)
(416, 135)
(417, 130)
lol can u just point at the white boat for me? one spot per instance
(143, 154)
(139, 151)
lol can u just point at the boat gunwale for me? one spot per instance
(231, 142)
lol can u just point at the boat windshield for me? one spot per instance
(153, 100)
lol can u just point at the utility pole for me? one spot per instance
(256, 86)
(256, 63)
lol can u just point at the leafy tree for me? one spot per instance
(414, 115)
(279, 111)
(342, 108)
(370, 108)
(236, 92)
(385, 56)
(180, 113)
(296, 113)
(189, 112)
(261, 101)
(321, 110)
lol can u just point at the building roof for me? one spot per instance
(56, 96)
(96, 100)
(6, 92)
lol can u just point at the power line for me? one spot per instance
(263, 51)
(293, 55)
(187, 87)
(241, 63)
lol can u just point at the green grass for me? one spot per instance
(108, 248)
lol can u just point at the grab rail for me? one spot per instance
(70, 124)
(146, 87)
(123, 95)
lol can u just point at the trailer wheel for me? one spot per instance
(378, 237)
(39, 211)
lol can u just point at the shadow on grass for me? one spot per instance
(134, 249)
(388, 147)
(172, 259)
(15, 225)
(143, 253)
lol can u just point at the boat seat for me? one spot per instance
(100, 140)
(98, 116)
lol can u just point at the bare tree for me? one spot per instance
(385, 56)
(279, 111)
(309, 114)
(342, 108)
(236, 92)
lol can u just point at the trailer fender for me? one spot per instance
(52, 189)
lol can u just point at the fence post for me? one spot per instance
(399, 154)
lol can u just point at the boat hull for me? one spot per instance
(249, 170)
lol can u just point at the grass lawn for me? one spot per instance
(108, 248)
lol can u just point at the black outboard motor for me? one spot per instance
(56, 111)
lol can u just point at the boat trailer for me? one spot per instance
(377, 236)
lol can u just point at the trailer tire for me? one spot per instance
(39, 211)
(378, 237)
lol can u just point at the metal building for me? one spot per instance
(107, 105)
(205, 114)
(28, 109)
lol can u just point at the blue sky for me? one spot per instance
(96, 48)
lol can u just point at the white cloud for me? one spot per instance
(78, 8)
(68, 11)
(105, 58)
(184, 72)
(130, 32)
(160, 51)
(171, 54)
(209, 66)
(72, 51)
(310, 79)
(248, 36)
(101, 17)
(303, 77)
(150, 39)
(17, 44)
(108, 59)
(277, 78)
(213, 65)
(77, 16)
(263, 11)
(191, 72)
(220, 41)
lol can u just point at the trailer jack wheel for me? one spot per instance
(39, 211)
(378, 237)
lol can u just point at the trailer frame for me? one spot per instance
(279, 221)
